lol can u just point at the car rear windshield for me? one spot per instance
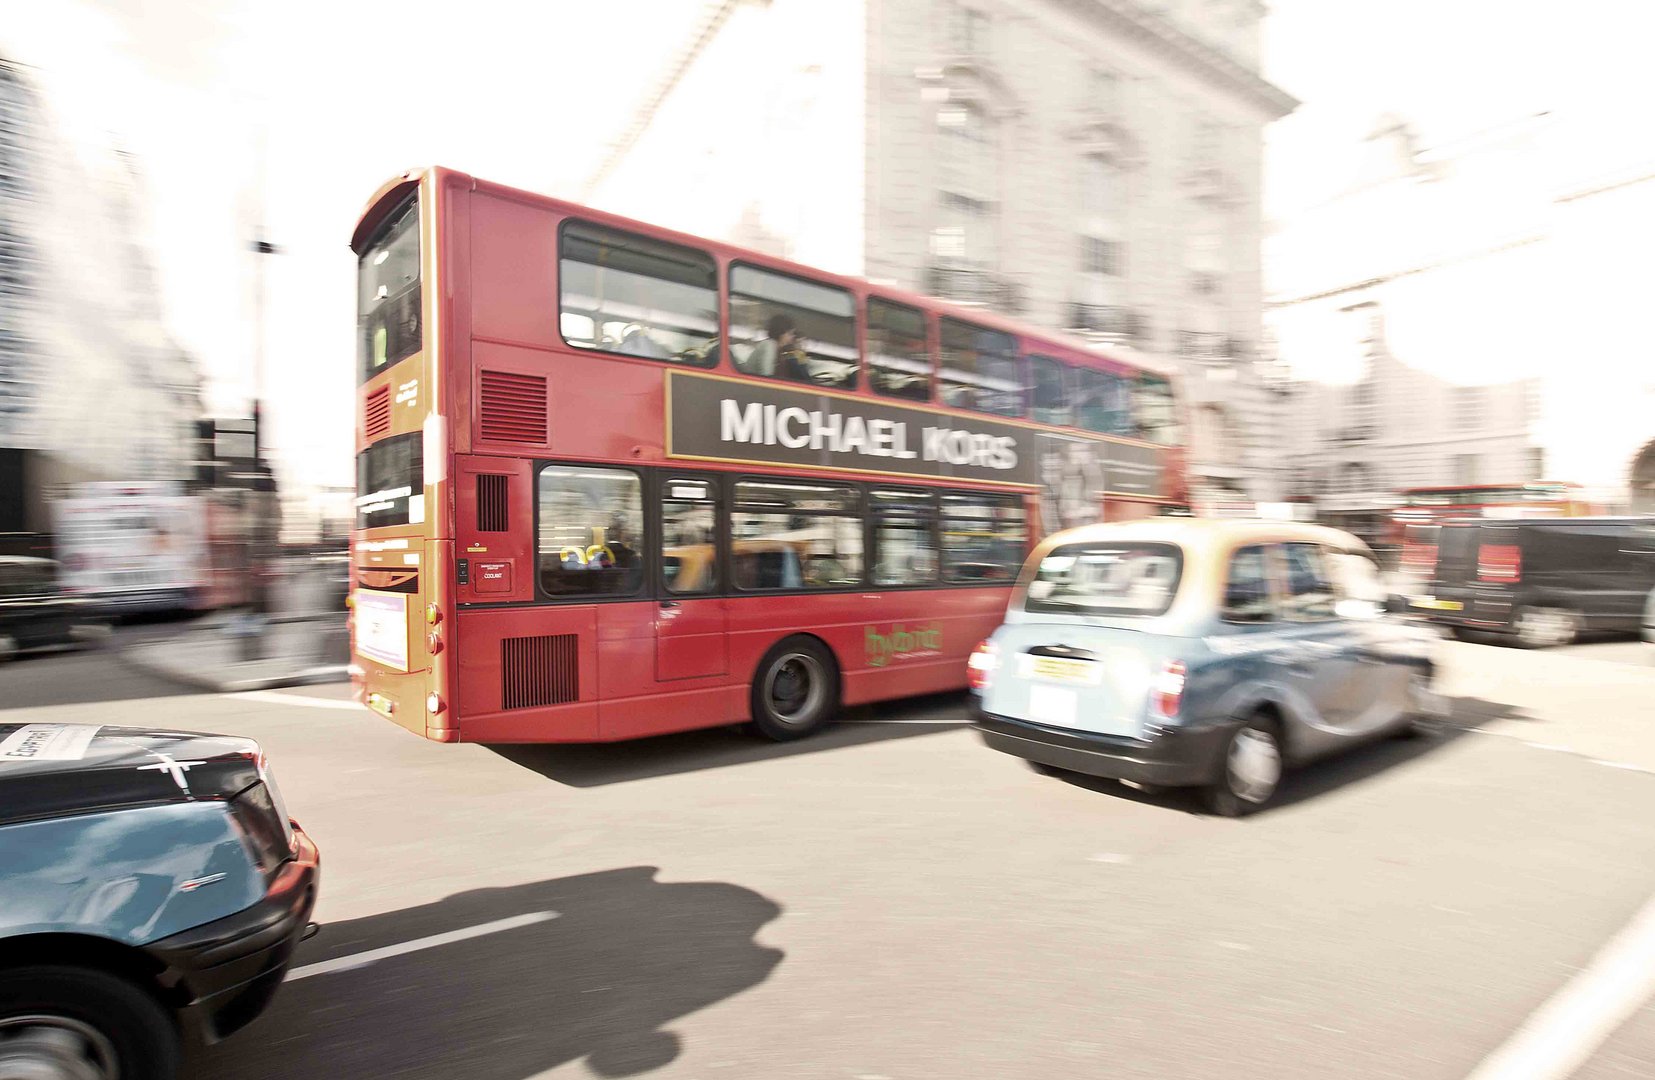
(1105, 579)
(1456, 552)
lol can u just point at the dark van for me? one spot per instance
(35, 613)
(1543, 581)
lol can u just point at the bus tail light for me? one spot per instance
(1168, 692)
(433, 614)
(985, 658)
(433, 703)
(433, 642)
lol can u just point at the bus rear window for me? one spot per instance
(390, 482)
(1105, 579)
(388, 319)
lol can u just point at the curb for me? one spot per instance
(132, 657)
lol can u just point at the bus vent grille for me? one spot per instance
(540, 670)
(376, 414)
(491, 502)
(513, 407)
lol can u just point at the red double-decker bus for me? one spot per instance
(1420, 512)
(616, 481)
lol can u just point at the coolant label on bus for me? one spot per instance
(381, 621)
(725, 420)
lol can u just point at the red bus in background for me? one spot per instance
(1421, 510)
(614, 481)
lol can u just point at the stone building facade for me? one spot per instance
(1089, 165)
(92, 387)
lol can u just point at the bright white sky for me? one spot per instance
(350, 92)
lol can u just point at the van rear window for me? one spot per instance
(1105, 579)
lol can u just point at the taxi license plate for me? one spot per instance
(1050, 705)
(1057, 669)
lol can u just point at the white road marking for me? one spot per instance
(373, 956)
(1561, 1035)
(300, 700)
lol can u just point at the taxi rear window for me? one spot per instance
(1105, 579)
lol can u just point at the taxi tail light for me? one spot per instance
(985, 658)
(1169, 688)
(264, 830)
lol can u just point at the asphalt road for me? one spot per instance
(89, 673)
(893, 900)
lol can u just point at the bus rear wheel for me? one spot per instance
(795, 690)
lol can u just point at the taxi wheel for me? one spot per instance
(65, 1023)
(1250, 770)
(795, 691)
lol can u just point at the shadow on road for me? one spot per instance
(1330, 774)
(625, 956)
(597, 764)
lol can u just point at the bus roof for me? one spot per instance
(1520, 484)
(393, 190)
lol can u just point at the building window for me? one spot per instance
(967, 30)
(1364, 408)
(1205, 140)
(1468, 407)
(1536, 463)
(1465, 468)
(786, 327)
(968, 180)
(1103, 89)
(1099, 193)
(1098, 256)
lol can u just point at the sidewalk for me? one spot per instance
(208, 656)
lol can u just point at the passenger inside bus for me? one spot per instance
(636, 341)
(775, 353)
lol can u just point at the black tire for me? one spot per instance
(1460, 633)
(112, 1022)
(1420, 724)
(1543, 627)
(795, 690)
(1234, 792)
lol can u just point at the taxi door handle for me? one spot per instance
(669, 605)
